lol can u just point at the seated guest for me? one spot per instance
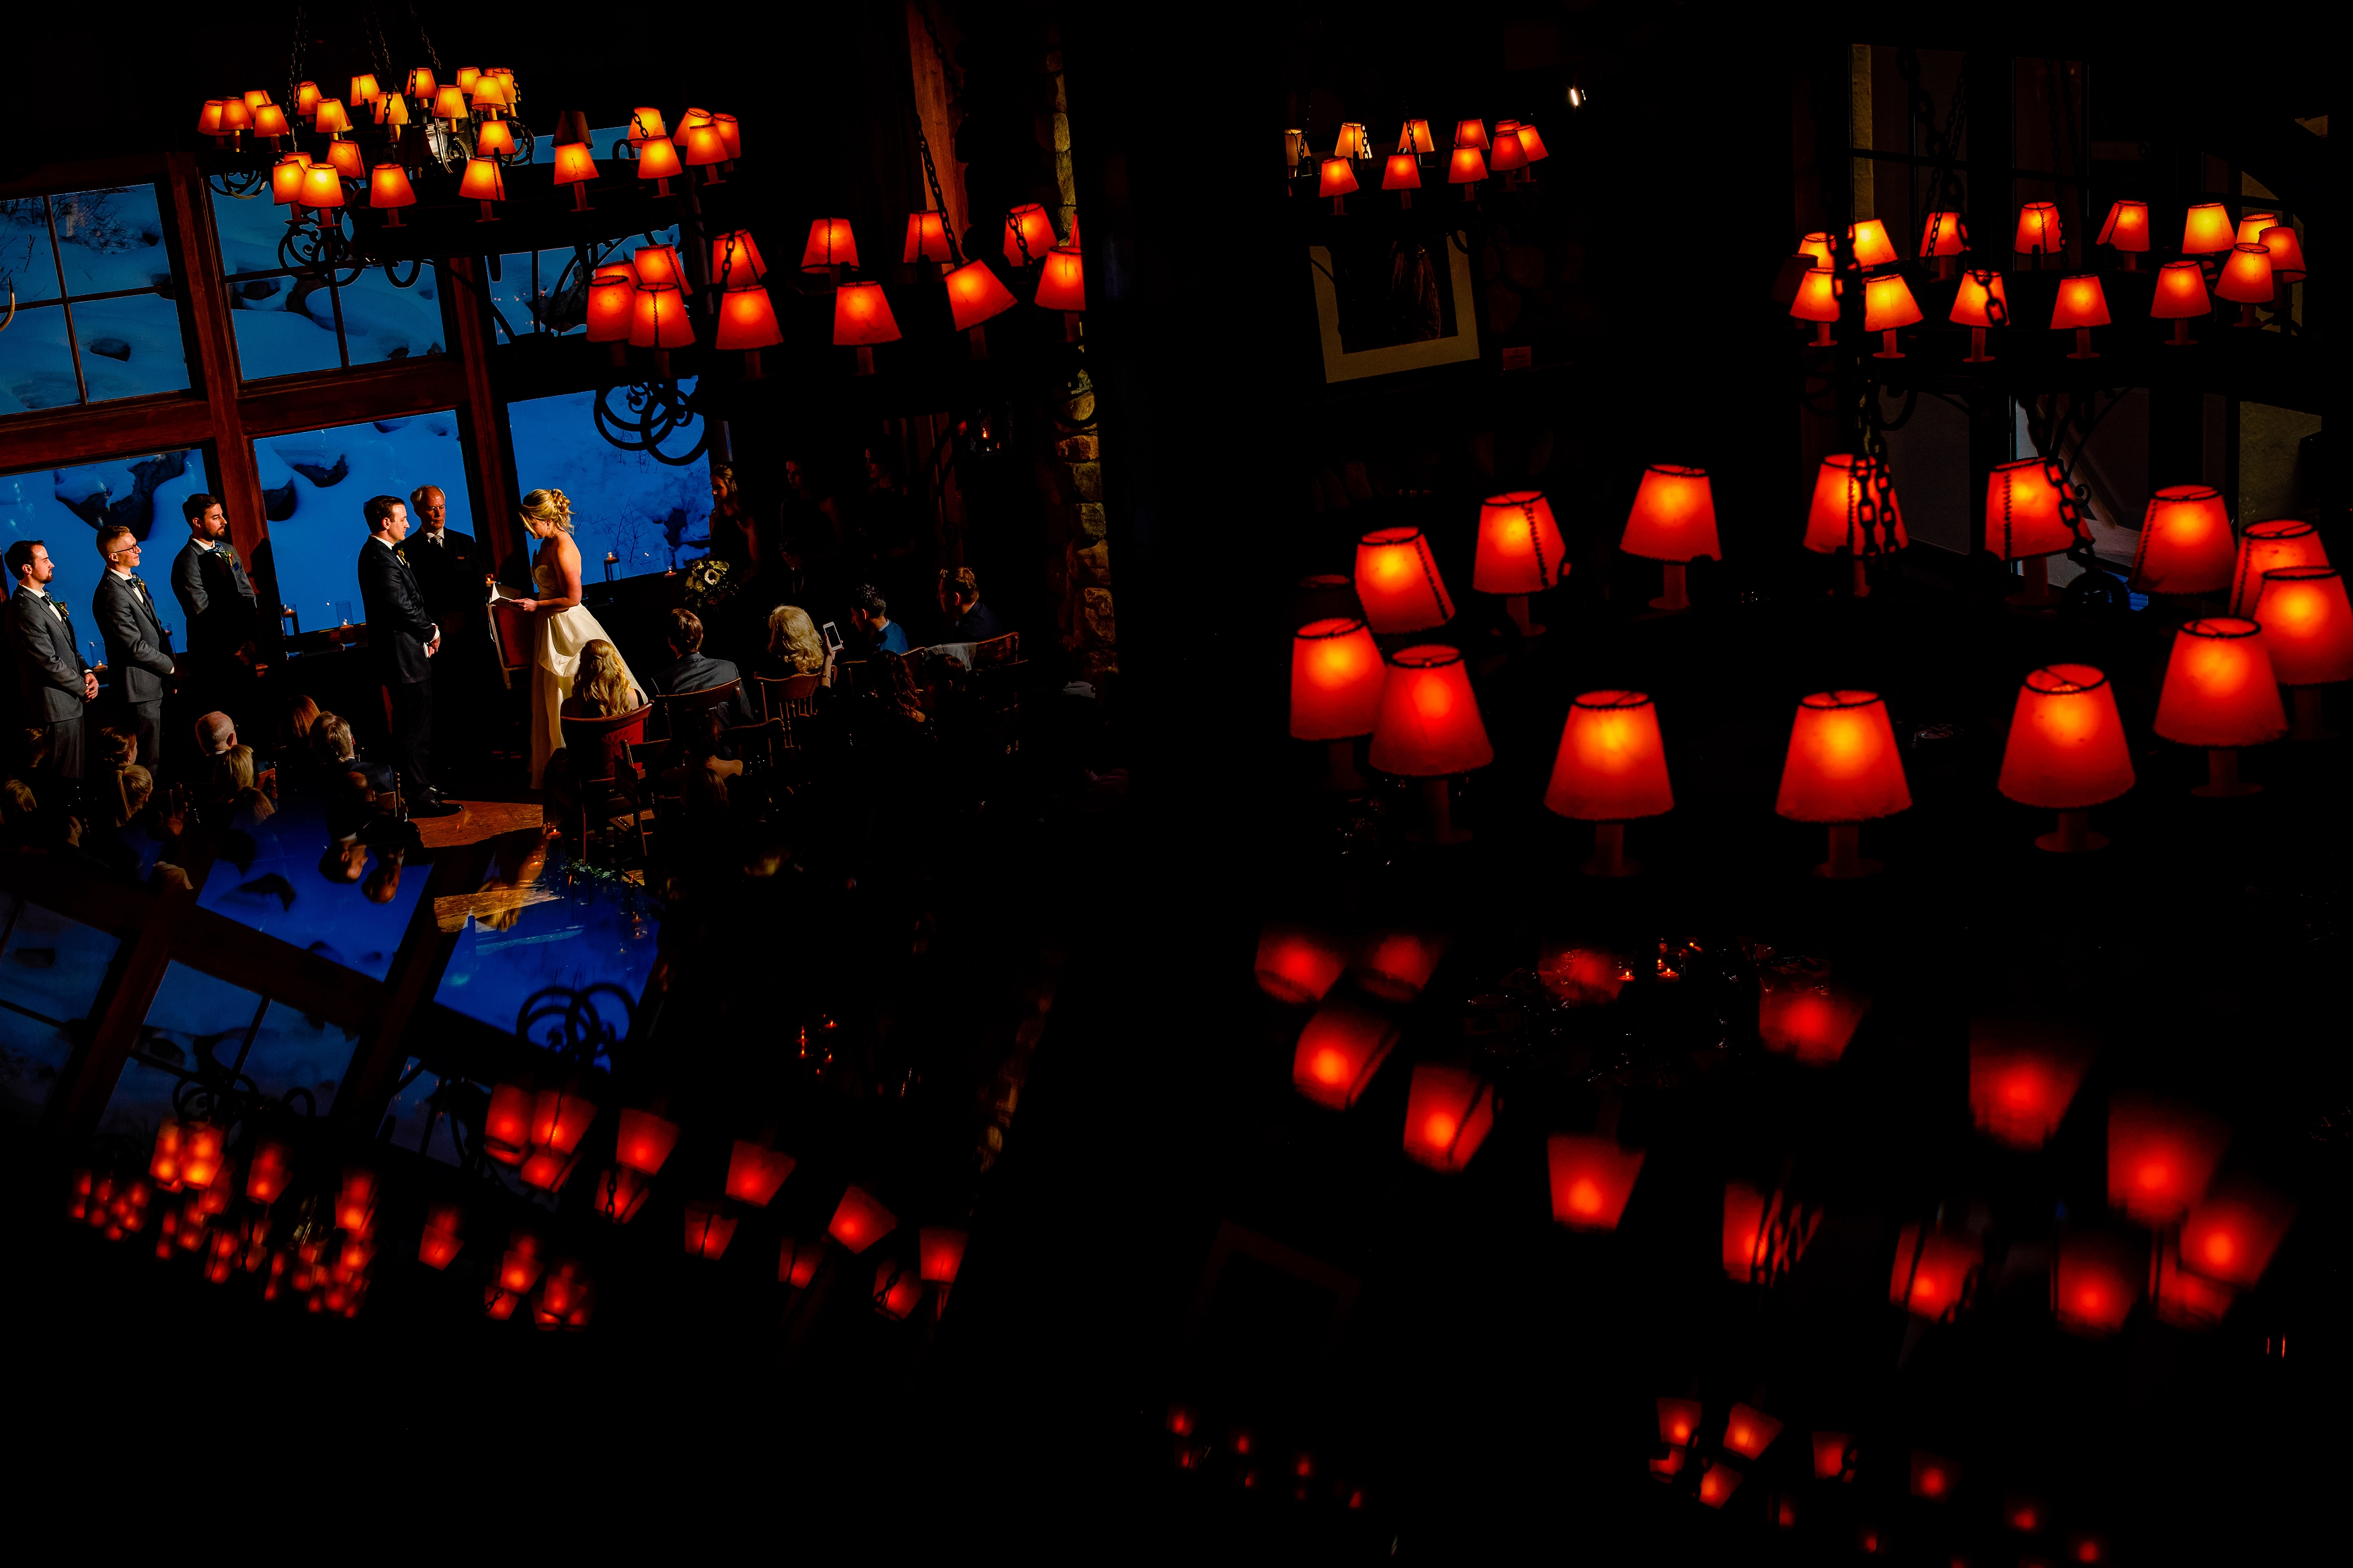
(119, 800)
(117, 748)
(871, 616)
(690, 672)
(235, 787)
(602, 687)
(963, 617)
(215, 733)
(330, 743)
(794, 647)
(19, 813)
(701, 766)
(300, 714)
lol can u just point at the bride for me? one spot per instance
(565, 626)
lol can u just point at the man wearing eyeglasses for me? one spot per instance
(138, 649)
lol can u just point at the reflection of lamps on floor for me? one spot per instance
(1520, 552)
(1612, 769)
(1672, 522)
(2024, 521)
(2066, 752)
(1429, 729)
(2219, 693)
(1336, 691)
(2308, 632)
(1842, 770)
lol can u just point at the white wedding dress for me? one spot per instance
(560, 638)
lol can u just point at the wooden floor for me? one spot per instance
(480, 819)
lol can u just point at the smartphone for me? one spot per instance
(832, 636)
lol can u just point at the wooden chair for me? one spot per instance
(996, 651)
(602, 771)
(511, 632)
(669, 709)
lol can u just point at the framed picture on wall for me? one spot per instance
(1387, 304)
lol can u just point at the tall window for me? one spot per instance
(544, 292)
(292, 315)
(66, 507)
(313, 485)
(95, 317)
(648, 515)
(50, 971)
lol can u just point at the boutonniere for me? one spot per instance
(401, 556)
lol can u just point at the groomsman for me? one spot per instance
(54, 684)
(223, 615)
(402, 632)
(138, 649)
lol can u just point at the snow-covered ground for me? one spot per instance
(287, 325)
(653, 516)
(53, 966)
(317, 541)
(107, 239)
(290, 1051)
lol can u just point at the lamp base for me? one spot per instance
(1674, 597)
(2222, 780)
(865, 360)
(1609, 858)
(2130, 259)
(1887, 349)
(1822, 338)
(2180, 338)
(2304, 716)
(979, 340)
(1861, 588)
(1516, 606)
(2083, 344)
(1846, 862)
(1976, 354)
(2072, 836)
(1438, 816)
(1340, 775)
(580, 195)
(2247, 315)
(2037, 594)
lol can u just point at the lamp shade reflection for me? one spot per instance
(1341, 1049)
(1592, 1179)
(1448, 1113)
(2095, 1282)
(1748, 1431)
(860, 1221)
(1935, 1272)
(2023, 1075)
(1397, 582)
(2161, 1156)
(1296, 963)
(2232, 1235)
(754, 1171)
(1805, 1012)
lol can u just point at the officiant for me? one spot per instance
(451, 572)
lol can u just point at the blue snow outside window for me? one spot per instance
(650, 515)
(65, 508)
(291, 317)
(202, 1029)
(95, 313)
(50, 971)
(314, 484)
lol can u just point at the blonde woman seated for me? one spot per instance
(794, 647)
(601, 687)
(565, 628)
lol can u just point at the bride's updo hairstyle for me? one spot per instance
(550, 509)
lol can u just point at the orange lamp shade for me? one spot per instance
(730, 132)
(754, 1171)
(420, 83)
(1868, 243)
(1340, 1051)
(976, 295)
(1506, 152)
(1611, 765)
(858, 1221)
(659, 320)
(2252, 226)
(1748, 1431)
(1817, 298)
(1887, 303)
(1818, 246)
(506, 1128)
(199, 1154)
(658, 160)
(389, 187)
(286, 178)
(2180, 293)
(449, 103)
(927, 238)
(1982, 300)
(2185, 543)
(1297, 965)
(491, 93)
(209, 120)
(355, 1200)
(1398, 963)
(1337, 178)
(1448, 1113)
(1834, 1456)
(2128, 227)
(1933, 1477)
(1414, 137)
(897, 1289)
(495, 137)
(708, 1230)
(2081, 303)
(690, 118)
(1808, 1015)
(1673, 517)
(612, 304)
(2266, 547)
(269, 120)
(747, 320)
(2307, 625)
(2161, 1156)
(1062, 283)
(2246, 276)
(2232, 1235)
(1336, 676)
(2220, 690)
(861, 316)
(1397, 582)
(2039, 230)
(436, 1248)
(364, 89)
(654, 263)
(2066, 750)
(1027, 225)
(484, 181)
(706, 146)
(1353, 142)
(2023, 1078)
(1592, 1179)
(645, 1142)
(1520, 550)
(1429, 725)
(235, 115)
(646, 124)
(2281, 240)
(1678, 1421)
(2095, 1281)
(306, 98)
(2207, 230)
(1465, 167)
(1943, 234)
(343, 157)
(2022, 511)
(266, 1176)
(1842, 765)
(558, 1121)
(547, 1169)
(2184, 1300)
(1934, 1272)
(1853, 507)
(321, 186)
(1532, 144)
(1402, 172)
(1717, 1483)
(575, 162)
(940, 1252)
(797, 1262)
(620, 1192)
(331, 117)
(499, 1305)
(1471, 133)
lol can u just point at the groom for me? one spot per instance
(402, 631)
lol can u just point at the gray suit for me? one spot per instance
(139, 652)
(49, 670)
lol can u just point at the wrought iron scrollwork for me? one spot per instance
(568, 1023)
(656, 411)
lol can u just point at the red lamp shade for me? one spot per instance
(332, 118)
(860, 1221)
(619, 1193)
(2161, 1156)
(575, 162)
(1935, 1272)
(2095, 1281)
(1298, 964)
(1337, 179)
(2184, 1300)
(1748, 1431)
(706, 146)
(897, 1289)
(2246, 276)
(286, 178)
(389, 187)
(2232, 1235)
(1448, 1113)
(343, 157)
(2023, 516)
(927, 238)
(2081, 303)
(2267, 547)
(2128, 227)
(2281, 240)
(2220, 691)
(645, 1142)
(1465, 167)
(708, 1230)
(645, 123)
(506, 1130)
(754, 1171)
(1842, 765)
(1397, 582)
(1429, 725)
(797, 1262)
(1763, 1233)
(1612, 764)
(1402, 172)
(1061, 283)
(612, 303)
(1532, 144)
(1520, 550)
(2252, 226)
(485, 181)
(1414, 136)
(2307, 625)
(1887, 303)
(1943, 234)
(1816, 301)
(747, 320)
(1471, 133)
(2207, 230)
(1834, 1456)
(449, 103)
(1982, 300)
(1717, 1483)
(1592, 1178)
(438, 1247)
(354, 1201)
(940, 1253)
(269, 120)
(558, 1121)
(1336, 680)
(323, 188)
(1854, 507)
(547, 1170)
(1933, 1477)
(974, 295)
(1505, 152)
(2023, 1078)
(494, 138)
(1397, 965)
(1818, 246)
(210, 121)
(2185, 543)
(658, 160)
(1806, 1014)
(1868, 243)
(1340, 1051)
(1674, 518)
(2039, 230)
(660, 319)
(2180, 293)
(1028, 227)
(2066, 750)
(1678, 1421)
(830, 244)
(861, 316)
(266, 1176)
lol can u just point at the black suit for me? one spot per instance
(49, 670)
(138, 652)
(696, 673)
(224, 615)
(450, 574)
(399, 625)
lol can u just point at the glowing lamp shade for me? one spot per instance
(1854, 507)
(494, 137)
(645, 124)
(1532, 144)
(1834, 1456)
(1764, 1235)
(612, 303)
(1297, 965)
(1748, 1431)
(269, 120)
(1414, 137)
(754, 1171)
(1336, 677)
(1429, 725)
(704, 147)
(1933, 1477)
(1717, 1483)
(1942, 235)
(2081, 303)
(1062, 282)
(2128, 227)
(2039, 230)
(619, 1193)
(332, 118)
(1337, 178)
(1471, 133)
(2286, 249)
(436, 1248)
(1887, 304)
(1030, 234)
(266, 1176)
(200, 1154)
(747, 320)
(974, 295)
(576, 162)
(1520, 550)
(730, 132)
(1397, 965)
(1505, 152)
(659, 320)
(1402, 172)
(2023, 516)
(2161, 1156)
(2095, 1282)
(860, 1221)
(1467, 166)
(1816, 301)
(927, 238)
(797, 1262)
(286, 178)
(1868, 243)
(558, 1121)
(506, 1128)
(654, 263)
(323, 187)
(420, 83)
(1340, 1051)
(1805, 1012)
(2266, 547)
(2220, 690)
(343, 157)
(2207, 230)
(2246, 280)
(2023, 1078)
(1842, 765)
(210, 121)
(1612, 764)
(1818, 246)
(1397, 582)
(1935, 1272)
(658, 160)
(355, 1199)
(389, 187)
(484, 181)
(861, 316)
(708, 1230)
(547, 1170)
(449, 103)
(1592, 1178)
(2307, 625)
(1448, 1113)
(2066, 750)
(1673, 516)
(491, 93)
(1678, 1421)
(2232, 1235)
(1982, 302)
(2184, 1300)
(2185, 543)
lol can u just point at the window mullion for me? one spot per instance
(73, 338)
